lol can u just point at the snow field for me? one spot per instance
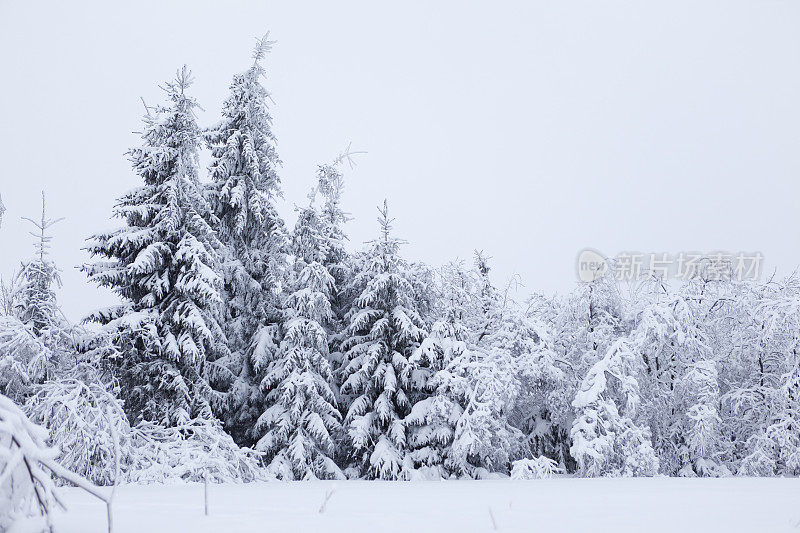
(564, 505)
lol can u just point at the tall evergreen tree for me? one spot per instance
(161, 263)
(330, 185)
(340, 265)
(384, 330)
(298, 430)
(243, 189)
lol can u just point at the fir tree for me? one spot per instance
(161, 263)
(330, 186)
(299, 428)
(37, 306)
(243, 189)
(440, 426)
(340, 265)
(384, 330)
(34, 335)
(440, 367)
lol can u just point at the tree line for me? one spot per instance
(245, 349)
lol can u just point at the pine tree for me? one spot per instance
(161, 263)
(342, 267)
(243, 189)
(384, 330)
(299, 428)
(34, 335)
(440, 367)
(24, 359)
(330, 185)
(37, 306)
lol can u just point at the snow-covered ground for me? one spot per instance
(563, 505)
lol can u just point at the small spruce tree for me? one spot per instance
(384, 330)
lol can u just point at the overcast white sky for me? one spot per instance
(527, 129)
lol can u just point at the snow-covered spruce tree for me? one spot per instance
(161, 263)
(34, 335)
(338, 262)
(38, 308)
(384, 330)
(606, 440)
(440, 367)
(330, 185)
(244, 186)
(298, 429)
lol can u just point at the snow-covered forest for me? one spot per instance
(247, 349)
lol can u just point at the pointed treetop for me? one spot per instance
(183, 80)
(2, 210)
(384, 220)
(263, 47)
(43, 225)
